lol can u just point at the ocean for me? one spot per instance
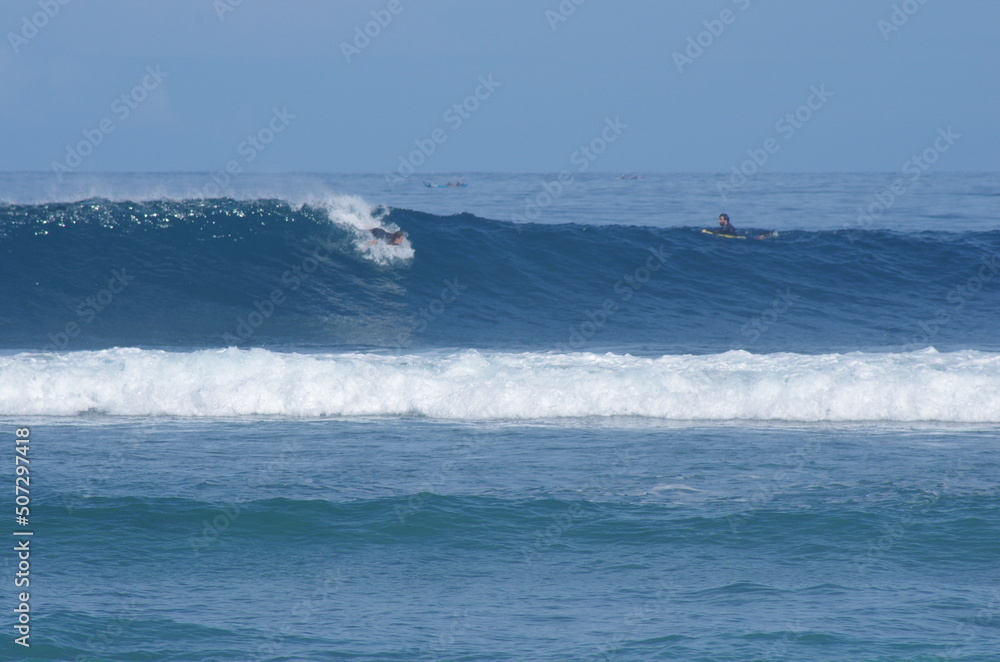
(558, 422)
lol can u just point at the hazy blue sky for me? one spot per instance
(223, 68)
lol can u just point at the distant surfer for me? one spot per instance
(394, 238)
(725, 227)
(458, 183)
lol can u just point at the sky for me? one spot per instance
(357, 86)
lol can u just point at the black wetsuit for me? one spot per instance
(379, 233)
(727, 229)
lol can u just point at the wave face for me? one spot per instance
(919, 386)
(214, 273)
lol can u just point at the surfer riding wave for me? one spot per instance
(394, 238)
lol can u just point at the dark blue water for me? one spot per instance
(597, 435)
(266, 273)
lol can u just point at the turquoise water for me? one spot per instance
(411, 539)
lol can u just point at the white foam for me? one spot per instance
(919, 386)
(354, 213)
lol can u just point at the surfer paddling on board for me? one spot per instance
(394, 238)
(725, 227)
